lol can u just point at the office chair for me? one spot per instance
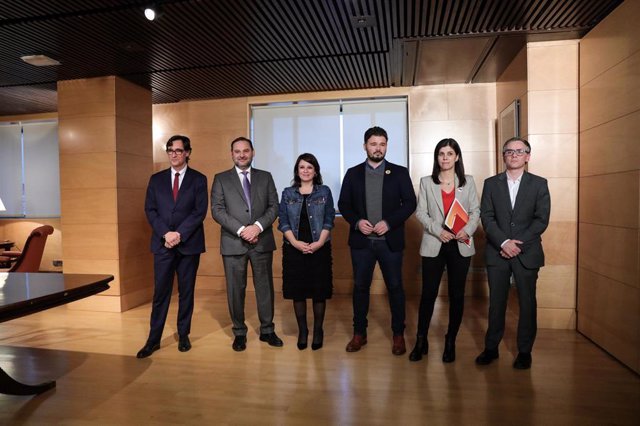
(28, 260)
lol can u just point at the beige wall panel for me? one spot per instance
(479, 164)
(599, 194)
(97, 303)
(133, 102)
(611, 41)
(612, 94)
(86, 134)
(169, 119)
(135, 298)
(603, 306)
(342, 268)
(214, 115)
(559, 319)
(90, 242)
(133, 239)
(133, 137)
(472, 135)
(88, 206)
(90, 97)
(553, 111)
(427, 103)
(556, 287)
(340, 232)
(137, 283)
(564, 199)
(512, 84)
(611, 252)
(137, 265)
(211, 263)
(131, 206)
(560, 242)
(133, 171)
(98, 266)
(471, 101)
(218, 283)
(552, 65)
(211, 233)
(74, 169)
(611, 147)
(524, 118)
(554, 155)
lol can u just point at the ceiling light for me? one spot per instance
(152, 12)
(39, 60)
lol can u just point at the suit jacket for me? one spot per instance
(398, 203)
(526, 221)
(229, 208)
(185, 215)
(430, 213)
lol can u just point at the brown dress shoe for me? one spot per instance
(399, 347)
(357, 342)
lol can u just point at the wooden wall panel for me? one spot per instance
(611, 199)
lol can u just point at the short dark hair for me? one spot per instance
(186, 143)
(459, 166)
(241, 138)
(517, 139)
(375, 131)
(311, 159)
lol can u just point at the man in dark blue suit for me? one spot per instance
(515, 211)
(376, 198)
(176, 206)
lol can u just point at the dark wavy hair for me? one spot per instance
(375, 131)
(186, 143)
(311, 159)
(459, 166)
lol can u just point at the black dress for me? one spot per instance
(306, 276)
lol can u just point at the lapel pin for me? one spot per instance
(387, 172)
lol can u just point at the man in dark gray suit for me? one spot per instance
(515, 210)
(244, 202)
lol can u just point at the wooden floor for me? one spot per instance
(99, 380)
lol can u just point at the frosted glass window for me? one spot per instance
(11, 169)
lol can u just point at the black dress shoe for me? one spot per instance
(302, 339)
(486, 357)
(421, 348)
(272, 339)
(523, 361)
(184, 344)
(449, 354)
(239, 343)
(318, 338)
(147, 350)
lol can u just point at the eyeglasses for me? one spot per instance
(175, 151)
(518, 152)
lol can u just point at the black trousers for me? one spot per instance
(432, 270)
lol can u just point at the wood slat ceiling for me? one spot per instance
(202, 49)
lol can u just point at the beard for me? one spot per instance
(375, 159)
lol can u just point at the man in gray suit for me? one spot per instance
(244, 202)
(515, 210)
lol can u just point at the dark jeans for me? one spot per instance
(432, 270)
(364, 261)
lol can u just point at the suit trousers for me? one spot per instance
(364, 261)
(235, 269)
(166, 265)
(499, 285)
(432, 270)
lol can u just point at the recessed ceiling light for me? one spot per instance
(152, 12)
(39, 60)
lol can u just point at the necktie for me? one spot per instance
(246, 187)
(176, 186)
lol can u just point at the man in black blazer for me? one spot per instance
(244, 202)
(515, 210)
(376, 198)
(176, 205)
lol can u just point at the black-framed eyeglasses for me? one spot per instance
(175, 151)
(518, 152)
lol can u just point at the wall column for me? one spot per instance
(105, 162)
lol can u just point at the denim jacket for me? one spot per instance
(319, 209)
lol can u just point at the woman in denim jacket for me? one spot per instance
(306, 217)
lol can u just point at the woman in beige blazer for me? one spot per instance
(440, 246)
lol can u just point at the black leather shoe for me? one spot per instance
(523, 361)
(449, 354)
(147, 350)
(239, 343)
(184, 344)
(421, 348)
(302, 339)
(318, 338)
(272, 339)
(486, 357)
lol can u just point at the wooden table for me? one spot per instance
(23, 294)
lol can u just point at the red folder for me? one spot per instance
(457, 218)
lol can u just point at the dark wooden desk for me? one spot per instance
(23, 294)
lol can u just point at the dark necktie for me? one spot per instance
(246, 187)
(176, 186)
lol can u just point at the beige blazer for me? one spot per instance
(430, 213)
